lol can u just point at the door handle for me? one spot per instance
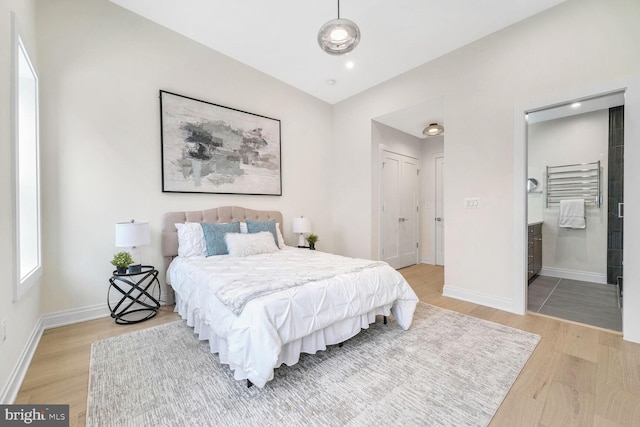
(402, 219)
(620, 209)
(439, 219)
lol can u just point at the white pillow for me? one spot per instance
(281, 244)
(240, 244)
(191, 240)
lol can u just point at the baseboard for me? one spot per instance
(76, 315)
(583, 276)
(427, 260)
(46, 321)
(12, 387)
(503, 304)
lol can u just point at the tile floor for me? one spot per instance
(590, 303)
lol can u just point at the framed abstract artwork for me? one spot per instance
(208, 148)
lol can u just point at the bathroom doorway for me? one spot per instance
(574, 210)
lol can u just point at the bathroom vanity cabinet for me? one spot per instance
(534, 249)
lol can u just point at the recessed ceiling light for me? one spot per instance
(350, 64)
(575, 105)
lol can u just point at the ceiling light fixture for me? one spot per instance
(576, 105)
(433, 129)
(339, 36)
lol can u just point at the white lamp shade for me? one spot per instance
(301, 225)
(130, 234)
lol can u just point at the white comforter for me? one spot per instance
(251, 342)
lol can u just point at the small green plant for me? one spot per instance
(122, 259)
(312, 238)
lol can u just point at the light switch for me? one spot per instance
(471, 203)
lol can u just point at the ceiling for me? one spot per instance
(278, 37)
(577, 106)
(414, 119)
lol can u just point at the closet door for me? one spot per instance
(439, 219)
(399, 209)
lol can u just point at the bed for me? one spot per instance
(265, 309)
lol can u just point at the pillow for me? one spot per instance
(191, 240)
(214, 236)
(258, 226)
(281, 244)
(250, 244)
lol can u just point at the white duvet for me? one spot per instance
(251, 342)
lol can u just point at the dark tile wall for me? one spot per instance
(615, 182)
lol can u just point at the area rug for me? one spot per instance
(447, 370)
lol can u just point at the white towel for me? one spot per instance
(572, 214)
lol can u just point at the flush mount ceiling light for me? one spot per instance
(433, 129)
(339, 36)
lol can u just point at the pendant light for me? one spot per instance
(339, 36)
(433, 129)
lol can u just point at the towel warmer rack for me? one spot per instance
(578, 181)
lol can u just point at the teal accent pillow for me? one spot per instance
(214, 236)
(258, 226)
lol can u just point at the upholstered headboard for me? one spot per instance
(216, 215)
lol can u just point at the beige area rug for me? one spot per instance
(447, 370)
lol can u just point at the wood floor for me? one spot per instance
(577, 376)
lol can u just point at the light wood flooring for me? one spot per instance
(577, 376)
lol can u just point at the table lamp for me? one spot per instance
(301, 225)
(132, 234)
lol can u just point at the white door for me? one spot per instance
(399, 209)
(439, 211)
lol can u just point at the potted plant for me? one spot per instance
(312, 239)
(122, 260)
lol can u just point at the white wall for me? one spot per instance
(101, 69)
(481, 84)
(23, 315)
(582, 138)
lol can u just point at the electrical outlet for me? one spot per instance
(471, 203)
(3, 331)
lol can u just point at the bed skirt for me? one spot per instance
(335, 333)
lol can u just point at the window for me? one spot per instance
(26, 167)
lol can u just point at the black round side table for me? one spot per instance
(140, 293)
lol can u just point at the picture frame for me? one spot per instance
(210, 148)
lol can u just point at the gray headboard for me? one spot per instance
(215, 215)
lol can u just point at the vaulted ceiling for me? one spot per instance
(278, 37)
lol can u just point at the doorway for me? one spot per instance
(570, 151)
(399, 209)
